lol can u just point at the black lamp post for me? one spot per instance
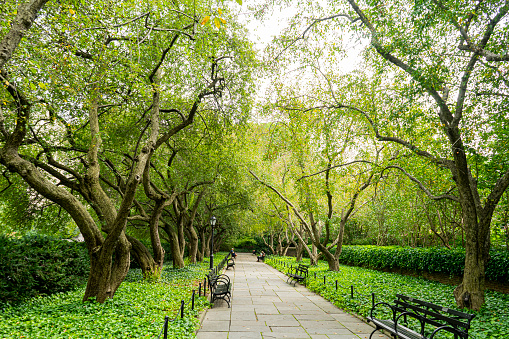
(212, 223)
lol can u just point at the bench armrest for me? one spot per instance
(409, 314)
(383, 304)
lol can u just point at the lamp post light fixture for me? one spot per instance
(212, 223)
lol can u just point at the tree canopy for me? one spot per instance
(136, 122)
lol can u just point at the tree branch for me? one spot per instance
(422, 187)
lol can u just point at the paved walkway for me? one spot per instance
(265, 306)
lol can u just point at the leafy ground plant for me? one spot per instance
(137, 311)
(491, 322)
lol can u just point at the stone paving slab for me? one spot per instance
(264, 306)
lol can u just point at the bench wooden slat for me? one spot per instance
(403, 332)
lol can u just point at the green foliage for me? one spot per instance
(491, 322)
(247, 243)
(138, 310)
(39, 265)
(433, 260)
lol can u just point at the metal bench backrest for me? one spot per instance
(302, 269)
(434, 314)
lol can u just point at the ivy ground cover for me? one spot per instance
(492, 322)
(137, 311)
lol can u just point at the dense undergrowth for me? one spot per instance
(137, 310)
(433, 260)
(37, 265)
(492, 322)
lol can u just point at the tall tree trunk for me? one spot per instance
(142, 256)
(193, 237)
(207, 244)
(299, 249)
(176, 254)
(201, 251)
(470, 293)
(193, 245)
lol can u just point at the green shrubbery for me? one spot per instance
(39, 265)
(433, 260)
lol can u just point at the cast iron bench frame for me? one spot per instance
(298, 274)
(230, 263)
(440, 318)
(220, 287)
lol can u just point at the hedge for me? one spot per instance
(433, 260)
(39, 265)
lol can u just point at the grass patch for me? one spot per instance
(137, 310)
(491, 322)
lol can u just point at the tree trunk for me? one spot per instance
(313, 255)
(155, 240)
(331, 260)
(201, 250)
(470, 293)
(299, 249)
(206, 245)
(193, 245)
(143, 257)
(107, 271)
(176, 254)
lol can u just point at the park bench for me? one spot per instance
(220, 287)
(230, 263)
(424, 318)
(297, 274)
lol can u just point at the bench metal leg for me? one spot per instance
(376, 329)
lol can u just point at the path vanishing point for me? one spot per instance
(265, 306)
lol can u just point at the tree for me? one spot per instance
(329, 170)
(438, 77)
(91, 93)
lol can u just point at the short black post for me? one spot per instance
(336, 285)
(351, 291)
(204, 286)
(192, 300)
(373, 299)
(315, 275)
(165, 327)
(324, 279)
(199, 290)
(182, 309)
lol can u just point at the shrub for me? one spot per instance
(35, 265)
(433, 260)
